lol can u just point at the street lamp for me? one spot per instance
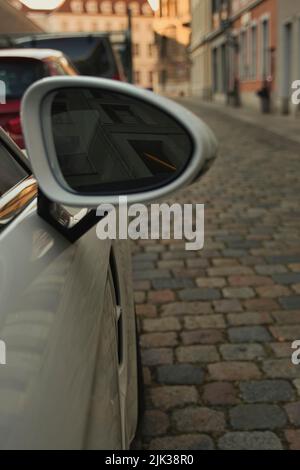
(43, 4)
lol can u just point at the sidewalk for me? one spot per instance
(285, 126)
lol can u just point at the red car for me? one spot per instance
(19, 68)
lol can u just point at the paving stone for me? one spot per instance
(199, 294)
(270, 269)
(178, 374)
(220, 393)
(290, 303)
(161, 296)
(183, 442)
(157, 356)
(223, 271)
(280, 368)
(151, 274)
(261, 304)
(295, 267)
(142, 285)
(203, 336)
(256, 440)
(287, 278)
(293, 412)
(168, 397)
(238, 292)
(204, 321)
(296, 383)
(242, 352)
(155, 423)
(196, 263)
(145, 257)
(211, 282)
(287, 316)
(245, 281)
(225, 262)
(146, 310)
(272, 292)
(199, 419)
(156, 340)
(172, 283)
(161, 324)
(170, 264)
(233, 371)
(281, 349)
(186, 308)
(196, 354)
(139, 297)
(251, 417)
(143, 265)
(169, 255)
(267, 391)
(283, 259)
(249, 334)
(293, 438)
(147, 376)
(227, 306)
(284, 333)
(249, 318)
(187, 273)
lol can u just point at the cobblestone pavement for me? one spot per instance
(217, 325)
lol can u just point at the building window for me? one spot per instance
(92, 6)
(265, 53)
(136, 49)
(151, 78)
(150, 50)
(77, 6)
(253, 53)
(137, 76)
(243, 55)
(215, 69)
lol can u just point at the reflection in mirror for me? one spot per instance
(110, 143)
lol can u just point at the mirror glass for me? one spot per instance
(110, 143)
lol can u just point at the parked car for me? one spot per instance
(19, 68)
(91, 53)
(72, 378)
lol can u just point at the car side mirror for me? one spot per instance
(93, 140)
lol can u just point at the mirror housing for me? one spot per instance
(37, 113)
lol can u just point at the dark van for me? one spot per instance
(92, 54)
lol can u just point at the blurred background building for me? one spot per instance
(246, 52)
(172, 27)
(159, 41)
(12, 21)
(106, 16)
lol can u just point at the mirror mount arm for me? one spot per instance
(57, 217)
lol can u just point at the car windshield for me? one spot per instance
(19, 74)
(90, 55)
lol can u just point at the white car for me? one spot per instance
(71, 376)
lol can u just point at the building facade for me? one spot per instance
(107, 16)
(242, 40)
(254, 24)
(173, 33)
(288, 69)
(200, 50)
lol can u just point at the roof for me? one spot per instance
(39, 54)
(13, 21)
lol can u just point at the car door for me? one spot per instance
(57, 320)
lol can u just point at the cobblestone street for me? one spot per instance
(217, 325)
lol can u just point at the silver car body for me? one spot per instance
(62, 387)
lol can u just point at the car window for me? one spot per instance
(91, 56)
(11, 172)
(19, 74)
